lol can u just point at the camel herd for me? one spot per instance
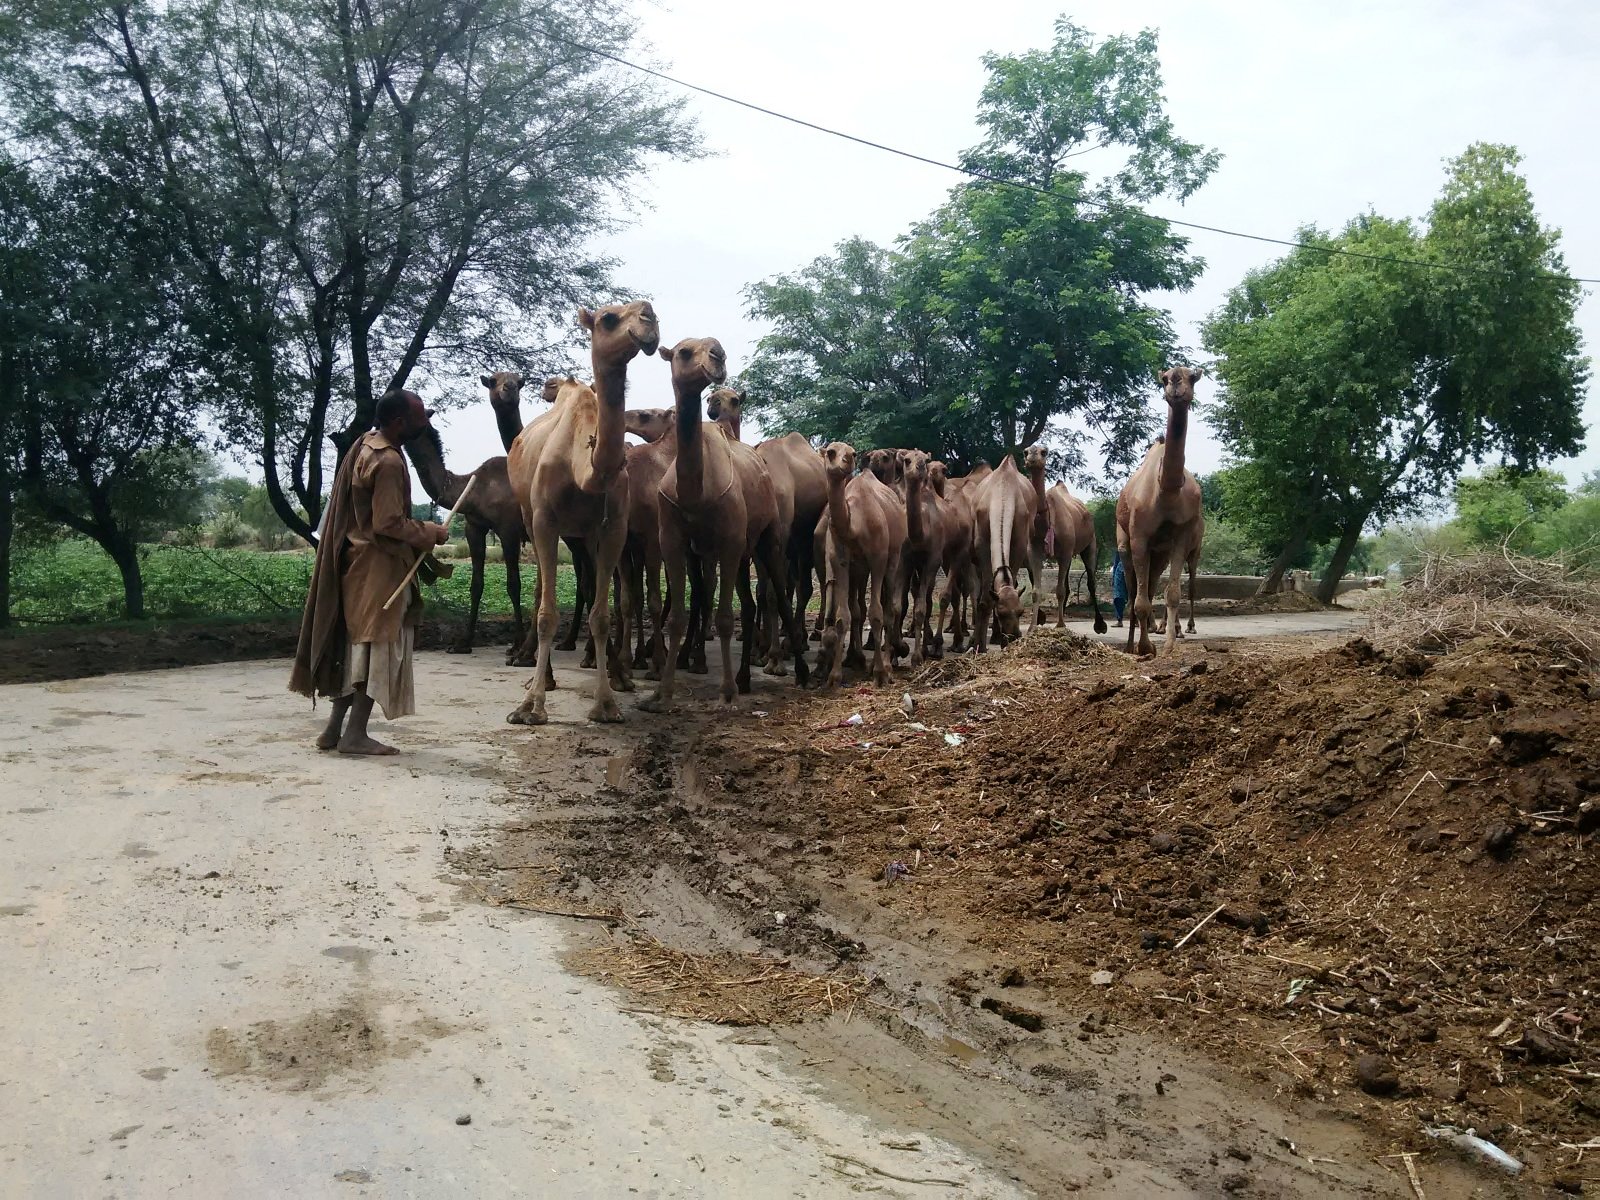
(693, 501)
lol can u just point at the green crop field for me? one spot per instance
(74, 583)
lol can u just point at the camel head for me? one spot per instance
(938, 476)
(552, 387)
(505, 388)
(1177, 384)
(885, 464)
(651, 424)
(1008, 604)
(696, 362)
(621, 330)
(1034, 460)
(913, 465)
(839, 461)
(726, 402)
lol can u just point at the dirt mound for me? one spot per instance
(1503, 595)
(1300, 863)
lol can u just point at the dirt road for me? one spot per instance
(234, 965)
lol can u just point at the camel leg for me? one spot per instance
(1089, 565)
(1063, 585)
(532, 711)
(1194, 566)
(753, 636)
(982, 603)
(627, 588)
(581, 570)
(658, 611)
(607, 549)
(478, 547)
(511, 551)
(676, 554)
(1036, 576)
(881, 653)
(922, 600)
(838, 604)
(1174, 604)
(728, 570)
(803, 566)
(1139, 562)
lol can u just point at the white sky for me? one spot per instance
(1320, 112)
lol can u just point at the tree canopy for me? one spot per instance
(1016, 312)
(1356, 387)
(353, 189)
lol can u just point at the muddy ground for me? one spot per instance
(1017, 901)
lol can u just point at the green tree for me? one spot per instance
(355, 188)
(100, 384)
(1503, 506)
(1358, 387)
(1016, 312)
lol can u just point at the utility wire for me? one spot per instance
(1104, 205)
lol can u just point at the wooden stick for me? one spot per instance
(406, 582)
(1204, 921)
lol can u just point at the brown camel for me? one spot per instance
(491, 507)
(1004, 507)
(717, 501)
(569, 469)
(1071, 534)
(923, 554)
(866, 531)
(1159, 517)
(801, 486)
(961, 548)
(1062, 528)
(505, 397)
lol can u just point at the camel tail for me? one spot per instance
(1000, 521)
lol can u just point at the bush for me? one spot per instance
(227, 531)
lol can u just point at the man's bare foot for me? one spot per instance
(328, 740)
(364, 745)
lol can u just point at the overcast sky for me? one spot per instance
(1320, 112)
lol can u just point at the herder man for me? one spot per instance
(351, 648)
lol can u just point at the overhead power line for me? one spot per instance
(1104, 205)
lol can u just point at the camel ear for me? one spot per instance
(520, 381)
(665, 352)
(586, 318)
(486, 380)
(1197, 373)
(1164, 376)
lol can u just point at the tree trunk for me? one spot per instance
(125, 553)
(1287, 555)
(1328, 588)
(7, 516)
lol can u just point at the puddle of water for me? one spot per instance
(959, 1049)
(15, 910)
(155, 1073)
(137, 850)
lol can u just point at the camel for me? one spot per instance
(569, 469)
(1062, 528)
(1159, 517)
(802, 490)
(866, 531)
(491, 507)
(961, 547)
(1004, 508)
(1071, 533)
(923, 553)
(718, 502)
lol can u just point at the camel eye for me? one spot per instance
(609, 320)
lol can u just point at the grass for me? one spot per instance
(73, 583)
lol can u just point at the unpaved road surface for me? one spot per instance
(236, 966)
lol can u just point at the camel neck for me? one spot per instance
(508, 419)
(914, 508)
(731, 425)
(1041, 505)
(691, 449)
(610, 445)
(1172, 452)
(838, 510)
(427, 455)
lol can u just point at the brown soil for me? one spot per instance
(78, 651)
(1291, 862)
